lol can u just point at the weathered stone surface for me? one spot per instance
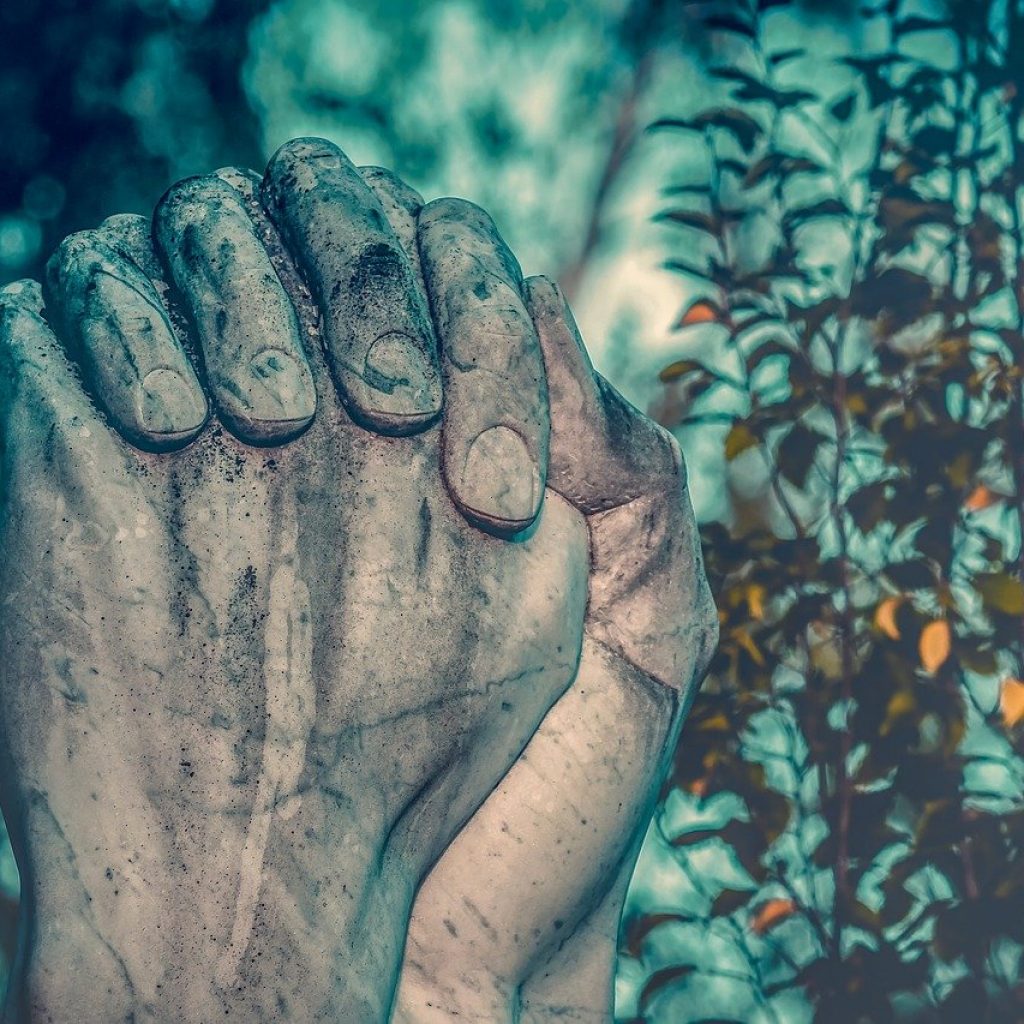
(256, 673)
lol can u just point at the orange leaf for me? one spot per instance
(934, 646)
(1011, 701)
(981, 498)
(704, 311)
(770, 914)
(755, 600)
(698, 787)
(885, 616)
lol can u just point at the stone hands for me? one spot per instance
(300, 549)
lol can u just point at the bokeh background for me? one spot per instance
(791, 231)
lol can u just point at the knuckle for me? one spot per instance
(494, 337)
(391, 190)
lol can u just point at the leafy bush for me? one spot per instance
(857, 746)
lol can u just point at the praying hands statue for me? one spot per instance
(348, 618)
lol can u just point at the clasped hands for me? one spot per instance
(348, 617)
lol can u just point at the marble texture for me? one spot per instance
(346, 616)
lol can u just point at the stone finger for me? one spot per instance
(495, 432)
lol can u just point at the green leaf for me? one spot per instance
(905, 26)
(733, 166)
(863, 64)
(913, 574)
(896, 905)
(728, 23)
(637, 929)
(662, 979)
(672, 122)
(781, 164)
(934, 140)
(729, 901)
(682, 267)
(797, 452)
(867, 506)
(843, 108)
(699, 188)
(693, 219)
(730, 74)
(783, 98)
(697, 836)
(784, 56)
(765, 351)
(737, 122)
(832, 207)
(814, 317)
(899, 296)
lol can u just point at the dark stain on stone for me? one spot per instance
(72, 693)
(423, 541)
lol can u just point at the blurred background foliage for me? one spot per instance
(792, 231)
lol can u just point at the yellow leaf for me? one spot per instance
(702, 312)
(934, 645)
(958, 470)
(856, 404)
(678, 369)
(885, 616)
(770, 914)
(745, 640)
(739, 439)
(1011, 701)
(901, 704)
(981, 498)
(715, 723)
(755, 600)
(1001, 592)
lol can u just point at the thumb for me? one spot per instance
(604, 452)
(649, 598)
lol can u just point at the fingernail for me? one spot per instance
(279, 388)
(500, 480)
(404, 384)
(303, 160)
(167, 404)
